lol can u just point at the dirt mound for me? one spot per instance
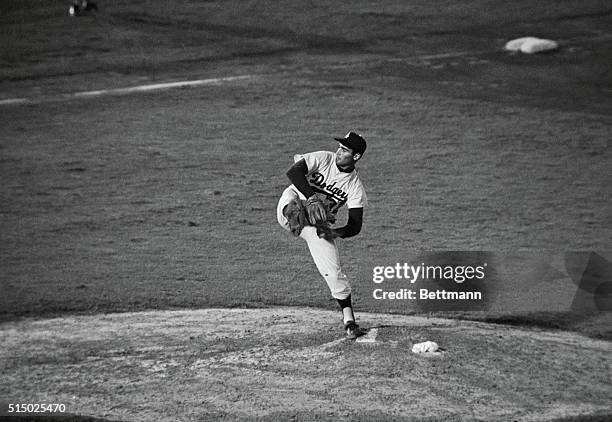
(266, 364)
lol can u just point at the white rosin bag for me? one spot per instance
(531, 45)
(425, 347)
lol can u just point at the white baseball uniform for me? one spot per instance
(341, 188)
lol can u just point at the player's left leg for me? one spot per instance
(327, 260)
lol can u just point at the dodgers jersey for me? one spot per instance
(324, 177)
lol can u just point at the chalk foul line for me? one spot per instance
(126, 90)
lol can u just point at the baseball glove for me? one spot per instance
(321, 216)
(316, 210)
(296, 216)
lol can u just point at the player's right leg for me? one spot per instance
(288, 195)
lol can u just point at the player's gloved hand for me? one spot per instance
(329, 204)
(316, 211)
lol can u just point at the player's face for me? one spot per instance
(344, 156)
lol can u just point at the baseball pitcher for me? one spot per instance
(322, 183)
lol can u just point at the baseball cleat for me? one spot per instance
(352, 330)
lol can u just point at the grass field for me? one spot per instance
(166, 199)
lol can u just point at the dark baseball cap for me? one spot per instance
(353, 141)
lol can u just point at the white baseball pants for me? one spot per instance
(324, 252)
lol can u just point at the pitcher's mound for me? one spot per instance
(294, 363)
